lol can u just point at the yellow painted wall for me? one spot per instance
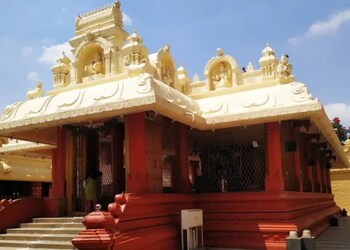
(25, 168)
(341, 187)
(341, 181)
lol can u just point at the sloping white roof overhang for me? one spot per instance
(144, 93)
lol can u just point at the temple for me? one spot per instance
(250, 147)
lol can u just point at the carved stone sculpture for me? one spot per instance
(166, 76)
(96, 67)
(221, 77)
(219, 52)
(284, 69)
(250, 67)
(5, 167)
(37, 92)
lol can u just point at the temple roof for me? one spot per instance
(144, 93)
(26, 147)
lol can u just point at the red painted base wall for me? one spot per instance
(152, 221)
(241, 220)
(23, 210)
(262, 220)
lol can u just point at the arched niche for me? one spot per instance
(166, 68)
(92, 59)
(221, 72)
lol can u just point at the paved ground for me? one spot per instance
(336, 238)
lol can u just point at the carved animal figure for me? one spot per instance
(5, 167)
(37, 92)
(96, 67)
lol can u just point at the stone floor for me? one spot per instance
(336, 238)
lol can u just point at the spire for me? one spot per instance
(268, 61)
(134, 39)
(181, 70)
(267, 51)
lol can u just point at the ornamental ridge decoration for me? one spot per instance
(43, 107)
(145, 83)
(94, 16)
(117, 92)
(271, 113)
(118, 105)
(179, 99)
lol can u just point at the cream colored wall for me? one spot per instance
(341, 181)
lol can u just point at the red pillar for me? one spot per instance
(311, 179)
(297, 169)
(312, 164)
(298, 174)
(118, 158)
(319, 174)
(329, 181)
(325, 180)
(274, 181)
(59, 166)
(137, 178)
(185, 184)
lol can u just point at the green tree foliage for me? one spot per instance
(341, 131)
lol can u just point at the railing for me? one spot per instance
(13, 212)
(101, 226)
(136, 222)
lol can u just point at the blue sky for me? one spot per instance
(315, 34)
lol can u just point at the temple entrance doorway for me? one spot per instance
(96, 147)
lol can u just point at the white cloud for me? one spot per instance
(47, 41)
(126, 20)
(52, 53)
(33, 76)
(324, 28)
(26, 51)
(341, 110)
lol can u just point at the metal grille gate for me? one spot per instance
(231, 168)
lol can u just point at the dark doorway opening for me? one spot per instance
(98, 147)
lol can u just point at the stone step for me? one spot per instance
(43, 233)
(74, 231)
(53, 225)
(58, 219)
(33, 237)
(36, 244)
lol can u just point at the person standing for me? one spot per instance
(93, 184)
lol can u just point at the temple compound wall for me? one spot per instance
(340, 177)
